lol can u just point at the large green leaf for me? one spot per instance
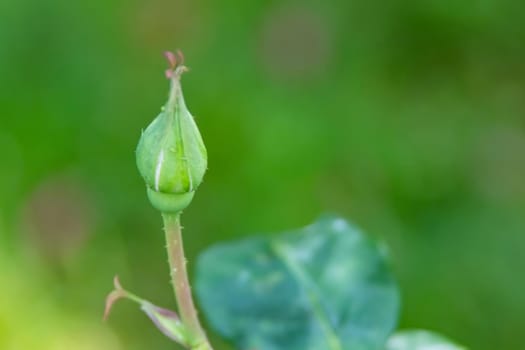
(323, 287)
(420, 340)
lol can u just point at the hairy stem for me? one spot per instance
(181, 285)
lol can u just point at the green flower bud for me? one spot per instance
(171, 156)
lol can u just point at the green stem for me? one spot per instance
(181, 285)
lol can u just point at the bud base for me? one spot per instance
(170, 202)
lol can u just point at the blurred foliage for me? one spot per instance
(30, 319)
(419, 339)
(406, 116)
(324, 286)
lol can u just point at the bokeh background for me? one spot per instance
(407, 117)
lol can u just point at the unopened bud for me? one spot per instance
(171, 156)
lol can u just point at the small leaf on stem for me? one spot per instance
(167, 321)
(112, 297)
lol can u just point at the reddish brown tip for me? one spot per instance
(113, 297)
(174, 60)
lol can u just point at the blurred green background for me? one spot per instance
(407, 117)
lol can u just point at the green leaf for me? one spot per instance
(420, 340)
(326, 286)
